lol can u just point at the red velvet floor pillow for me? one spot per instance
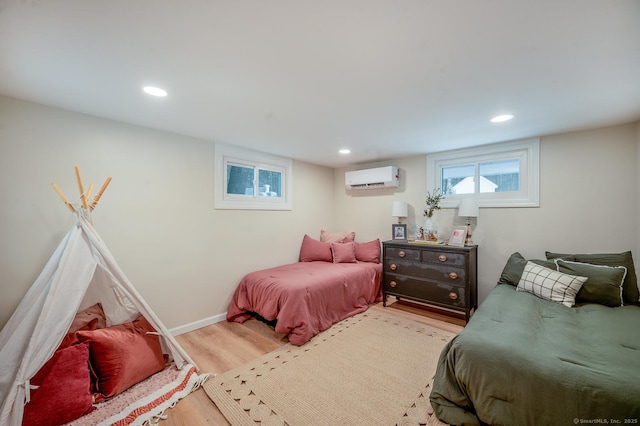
(72, 338)
(123, 355)
(63, 394)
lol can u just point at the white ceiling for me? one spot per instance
(303, 78)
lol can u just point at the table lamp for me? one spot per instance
(468, 208)
(399, 210)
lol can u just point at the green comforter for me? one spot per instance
(522, 360)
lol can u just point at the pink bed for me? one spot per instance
(306, 297)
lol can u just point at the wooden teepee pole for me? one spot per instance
(89, 191)
(99, 194)
(63, 197)
(83, 198)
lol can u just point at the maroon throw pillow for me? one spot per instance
(369, 251)
(343, 252)
(123, 355)
(312, 250)
(63, 394)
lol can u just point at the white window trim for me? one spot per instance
(227, 153)
(526, 150)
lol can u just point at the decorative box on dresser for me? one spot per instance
(438, 275)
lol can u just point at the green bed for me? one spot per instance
(522, 360)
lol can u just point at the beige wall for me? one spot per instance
(588, 202)
(157, 216)
(637, 190)
(186, 258)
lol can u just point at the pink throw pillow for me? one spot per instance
(123, 355)
(369, 251)
(64, 392)
(340, 237)
(343, 252)
(85, 317)
(313, 250)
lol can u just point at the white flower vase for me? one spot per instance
(431, 229)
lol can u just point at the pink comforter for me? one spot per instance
(306, 297)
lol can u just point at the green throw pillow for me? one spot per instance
(604, 284)
(629, 287)
(515, 266)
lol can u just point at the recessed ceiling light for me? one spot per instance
(345, 151)
(501, 118)
(155, 91)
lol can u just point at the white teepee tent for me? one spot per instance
(80, 273)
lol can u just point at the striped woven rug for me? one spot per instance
(146, 402)
(374, 368)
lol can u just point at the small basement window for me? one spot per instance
(496, 175)
(251, 180)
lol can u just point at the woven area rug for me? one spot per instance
(374, 368)
(146, 402)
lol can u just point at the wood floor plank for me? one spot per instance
(223, 346)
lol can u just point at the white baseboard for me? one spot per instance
(176, 331)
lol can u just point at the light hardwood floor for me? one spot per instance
(223, 346)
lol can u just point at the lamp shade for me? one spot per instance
(399, 209)
(468, 208)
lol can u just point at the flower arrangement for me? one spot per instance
(433, 202)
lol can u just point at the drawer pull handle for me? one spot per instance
(442, 258)
(401, 253)
(392, 284)
(393, 266)
(453, 296)
(453, 275)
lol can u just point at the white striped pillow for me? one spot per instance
(550, 285)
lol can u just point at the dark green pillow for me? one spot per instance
(629, 287)
(604, 283)
(515, 266)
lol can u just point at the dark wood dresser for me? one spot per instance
(437, 275)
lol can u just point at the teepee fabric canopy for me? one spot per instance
(80, 273)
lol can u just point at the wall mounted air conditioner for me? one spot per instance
(381, 177)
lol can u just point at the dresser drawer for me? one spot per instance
(403, 253)
(448, 273)
(436, 292)
(443, 258)
(440, 257)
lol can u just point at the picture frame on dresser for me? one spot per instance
(399, 232)
(458, 237)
